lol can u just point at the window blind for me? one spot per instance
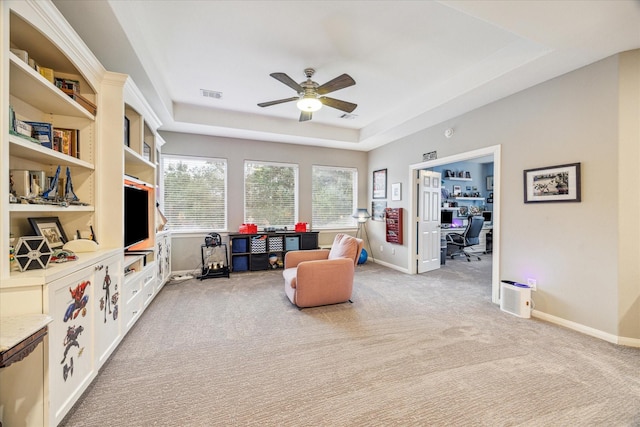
(334, 198)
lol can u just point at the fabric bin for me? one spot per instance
(240, 263)
(239, 246)
(276, 244)
(259, 244)
(259, 262)
(292, 243)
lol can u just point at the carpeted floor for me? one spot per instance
(423, 350)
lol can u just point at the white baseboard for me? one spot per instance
(614, 339)
(391, 266)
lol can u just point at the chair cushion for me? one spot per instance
(344, 246)
(290, 276)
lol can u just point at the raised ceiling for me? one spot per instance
(416, 63)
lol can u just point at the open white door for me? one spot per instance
(428, 221)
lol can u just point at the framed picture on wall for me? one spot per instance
(396, 191)
(490, 183)
(552, 184)
(380, 184)
(377, 210)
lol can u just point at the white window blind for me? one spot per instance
(195, 193)
(270, 194)
(334, 197)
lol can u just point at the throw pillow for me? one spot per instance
(344, 246)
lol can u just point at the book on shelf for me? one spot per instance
(69, 84)
(22, 54)
(84, 102)
(67, 141)
(42, 131)
(47, 73)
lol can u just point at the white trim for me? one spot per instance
(392, 266)
(614, 339)
(495, 151)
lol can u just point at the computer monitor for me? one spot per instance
(487, 215)
(446, 217)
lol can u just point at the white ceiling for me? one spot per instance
(415, 63)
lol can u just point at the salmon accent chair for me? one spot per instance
(321, 276)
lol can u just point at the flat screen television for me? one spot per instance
(136, 215)
(446, 217)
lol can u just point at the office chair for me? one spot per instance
(456, 242)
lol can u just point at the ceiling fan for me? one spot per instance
(309, 93)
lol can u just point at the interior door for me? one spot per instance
(428, 221)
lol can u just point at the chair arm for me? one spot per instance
(293, 258)
(455, 238)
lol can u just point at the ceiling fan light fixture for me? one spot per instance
(309, 104)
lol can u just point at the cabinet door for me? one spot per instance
(106, 307)
(71, 367)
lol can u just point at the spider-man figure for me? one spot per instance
(79, 301)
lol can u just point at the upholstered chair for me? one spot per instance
(322, 276)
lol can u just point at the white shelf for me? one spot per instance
(467, 198)
(20, 207)
(25, 149)
(32, 88)
(458, 179)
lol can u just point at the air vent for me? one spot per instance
(348, 116)
(211, 94)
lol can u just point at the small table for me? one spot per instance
(214, 265)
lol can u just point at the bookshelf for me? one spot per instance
(96, 110)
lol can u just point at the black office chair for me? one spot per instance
(456, 242)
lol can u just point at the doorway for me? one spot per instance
(415, 189)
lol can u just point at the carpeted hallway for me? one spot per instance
(428, 350)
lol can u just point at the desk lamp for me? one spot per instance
(362, 215)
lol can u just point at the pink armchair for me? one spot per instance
(321, 277)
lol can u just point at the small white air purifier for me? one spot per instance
(515, 298)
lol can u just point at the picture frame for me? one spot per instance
(559, 183)
(457, 190)
(126, 132)
(51, 229)
(146, 152)
(380, 184)
(490, 183)
(377, 210)
(396, 191)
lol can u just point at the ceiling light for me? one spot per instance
(309, 104)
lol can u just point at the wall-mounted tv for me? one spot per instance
(136, 215)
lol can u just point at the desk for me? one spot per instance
(481, 247)
(20, 335)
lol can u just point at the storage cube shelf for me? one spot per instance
(251, 252)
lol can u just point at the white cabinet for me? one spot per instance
(163, 254)
(108, 283)
(79, 339)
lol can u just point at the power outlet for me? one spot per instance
(533, 284)
(381, 248)
(393, 251)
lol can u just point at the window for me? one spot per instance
(195, 193)
(334, 197)
(270, 194)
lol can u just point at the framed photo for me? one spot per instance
(552, 184)
(380, 184)
(457, 190)
(490, 183)
(146, 153)
(396, 191)
(50, 229)
(377, 210)
(126, 131)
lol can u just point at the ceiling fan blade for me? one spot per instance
(338, 83)
(283, 78)
(305, 115)
(338, 104)
(279, 101)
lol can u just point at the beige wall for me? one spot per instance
(186, 247)
(572, 249)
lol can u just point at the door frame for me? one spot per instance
(413, 191)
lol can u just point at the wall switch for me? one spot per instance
(393, 251)
(533, 284)
(381, 248)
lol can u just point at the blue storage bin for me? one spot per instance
(240, 263)
(292, 243)
(239, 245)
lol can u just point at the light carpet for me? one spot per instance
(420, 350)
